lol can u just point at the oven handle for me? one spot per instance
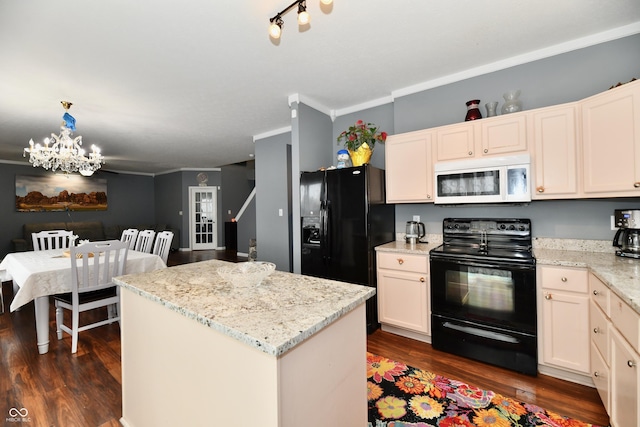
(482, 333)
(510, 266)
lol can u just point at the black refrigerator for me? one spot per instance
(344, 216)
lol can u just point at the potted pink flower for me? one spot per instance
(360, 140)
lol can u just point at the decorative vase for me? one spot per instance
(511, 102)
(491, 108)
(361, 155)
(473, 112)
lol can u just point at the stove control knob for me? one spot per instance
(522, 228)
(502, 226)
(512, 227)
(457, 226)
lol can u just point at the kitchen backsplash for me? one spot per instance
(544, 243)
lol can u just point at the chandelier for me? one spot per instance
(64, 153)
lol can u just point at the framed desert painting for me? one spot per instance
(60, 193)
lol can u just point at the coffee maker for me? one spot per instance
(627, 238)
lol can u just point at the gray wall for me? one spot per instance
(168, 198)
(237, 183)
(130, 198)
(273, 192)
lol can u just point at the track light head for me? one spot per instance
(303, 15)
(275, 29)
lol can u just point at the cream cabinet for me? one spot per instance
(403, 292)
(409, 167)
(553, 131)
(615, 350)
(564, 341)
(493, 136)
(611, 142)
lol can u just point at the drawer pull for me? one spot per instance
(547, 296)
(422, 280)
(596, 374)
(400, 261)
(636, 184)
(631, 363)
(564, 279)
(596, 330)
(595, 292)
(540, 189)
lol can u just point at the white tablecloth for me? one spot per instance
(41, 273)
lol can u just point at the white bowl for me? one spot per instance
(245, 274)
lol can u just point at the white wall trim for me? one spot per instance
(364, 106)
(296, 97)
(271, 133)
(535, 55)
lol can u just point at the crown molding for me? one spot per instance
(271, 133)
(592, 40)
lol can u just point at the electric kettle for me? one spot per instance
(414, 232)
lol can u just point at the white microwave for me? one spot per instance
(489, 180)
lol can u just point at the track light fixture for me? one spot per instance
(275, 29)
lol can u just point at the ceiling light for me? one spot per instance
(64, 153)
(275, 29)
(303, 15)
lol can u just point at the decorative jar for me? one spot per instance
(491, 108)
(511, 102)
(473, 112)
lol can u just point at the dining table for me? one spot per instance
(38, 274)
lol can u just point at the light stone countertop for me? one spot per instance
(621, 275)
(284, 310)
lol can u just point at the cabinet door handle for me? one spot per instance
(471, 154)
(540, 189)
(595, 292)
(486, 150)
(428, 196)
(400, 261)
(547, 296)
(631, 363)
(596, 374)
(422, 280)
(636, 184)
(596, 330)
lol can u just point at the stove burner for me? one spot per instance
(487, 240)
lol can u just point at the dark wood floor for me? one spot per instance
(65, 390)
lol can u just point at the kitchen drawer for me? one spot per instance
(403, 262)
(564, 278)
(626, 320)
(599, 325)
(600, 374)
(600, 293)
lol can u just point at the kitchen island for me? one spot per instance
(199, 351)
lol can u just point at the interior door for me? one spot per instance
(203, 207)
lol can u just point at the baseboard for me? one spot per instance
(406, 333)
(562, 374)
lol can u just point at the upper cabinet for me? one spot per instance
(611, 142)
(409, 167)
(554, 152)
(585, 149)
(492, 136)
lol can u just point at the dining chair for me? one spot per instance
(51, 239)
(93, 265)
(2, 298)
(144, 242)
(162, 245)
(130, 235)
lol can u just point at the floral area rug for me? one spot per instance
(402, 396)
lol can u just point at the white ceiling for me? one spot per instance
(161, 85)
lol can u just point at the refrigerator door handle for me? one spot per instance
(327, 230)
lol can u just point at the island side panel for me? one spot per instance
(323, 381)
(176, 371)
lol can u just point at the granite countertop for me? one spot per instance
(284, 310)
(621, 275)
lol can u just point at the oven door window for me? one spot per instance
(499, 296)
(481, 289)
